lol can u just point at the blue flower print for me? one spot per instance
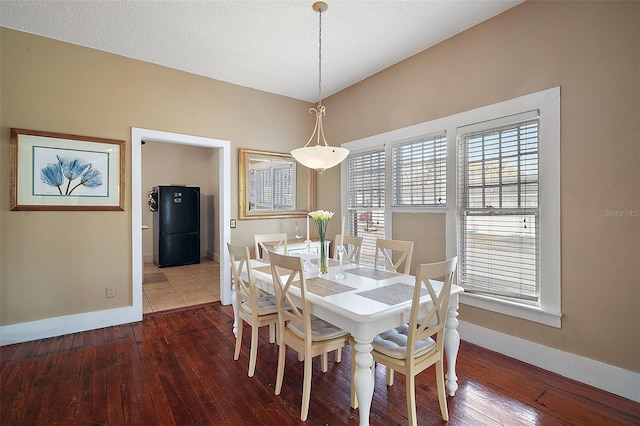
(52, 175)
(71, 169)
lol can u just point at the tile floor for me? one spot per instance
(179, 286)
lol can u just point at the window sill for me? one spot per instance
(514, 309)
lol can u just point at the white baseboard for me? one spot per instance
(603, 376)
(58, 326)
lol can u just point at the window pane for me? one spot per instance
(500, 256)
(368, 224)
(419, 172)
(498, 211)
(366, 179)
(366, 200)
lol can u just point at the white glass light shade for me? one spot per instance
(320, 157)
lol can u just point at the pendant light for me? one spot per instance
(320, 156)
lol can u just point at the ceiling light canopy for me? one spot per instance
(320, 156)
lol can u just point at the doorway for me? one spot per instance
(224, 170)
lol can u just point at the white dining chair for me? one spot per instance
(254, 307)
(308, 335)
(266, 242)
(419, 344)
(352, 246)
(386, 250)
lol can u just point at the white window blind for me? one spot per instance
(419, 170)
(272, 188)
(498, 207)
(261, 188)
(283, 180)
(366, 200)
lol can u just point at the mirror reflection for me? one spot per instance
(273, 185)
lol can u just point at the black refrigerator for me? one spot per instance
(176, 224)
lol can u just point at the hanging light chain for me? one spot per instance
(320, 56)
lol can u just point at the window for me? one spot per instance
(419, 172)
(503, 210)
(366, 200)
(498, 214)
(505, 226)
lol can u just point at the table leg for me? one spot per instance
(451, 346)
(363, 378)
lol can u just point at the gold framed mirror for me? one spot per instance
(273, 185)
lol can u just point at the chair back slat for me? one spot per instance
(287, 271)
(386, 250)
(269, 242)
(245, 290)
(431, 323)
(352, 246)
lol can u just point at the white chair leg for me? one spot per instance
(306, 388)
(339, 355)
(254, 350)
(272, 333)
(389, 376)
(236, 354)
(280, 372)
(324, 362)
(411, 399)
(442, 395)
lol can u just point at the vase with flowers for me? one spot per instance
(322, 218)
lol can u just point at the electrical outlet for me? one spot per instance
(111, 292)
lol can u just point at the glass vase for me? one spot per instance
(324, 256)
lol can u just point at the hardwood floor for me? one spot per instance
(177, 368)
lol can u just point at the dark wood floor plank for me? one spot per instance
(144, 404)
(144, 335)
(45, 360)
(113, 381)
(21, 386)
(186, 408)
(6, 352)
(178, 368)
(8, 368)
(49, 404)
(71, 382)
(83, 406)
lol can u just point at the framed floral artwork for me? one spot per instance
(54, 171)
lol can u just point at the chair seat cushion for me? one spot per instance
(393, 343)
(266, 305)
(320, 330)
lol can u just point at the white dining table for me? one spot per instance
(366, 302)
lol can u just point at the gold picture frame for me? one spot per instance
(303, 190)
(56, 171)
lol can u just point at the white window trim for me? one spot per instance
(548, 103)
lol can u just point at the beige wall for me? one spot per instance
(59, 263)
(591, 50)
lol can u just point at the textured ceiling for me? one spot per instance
(266, 45)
